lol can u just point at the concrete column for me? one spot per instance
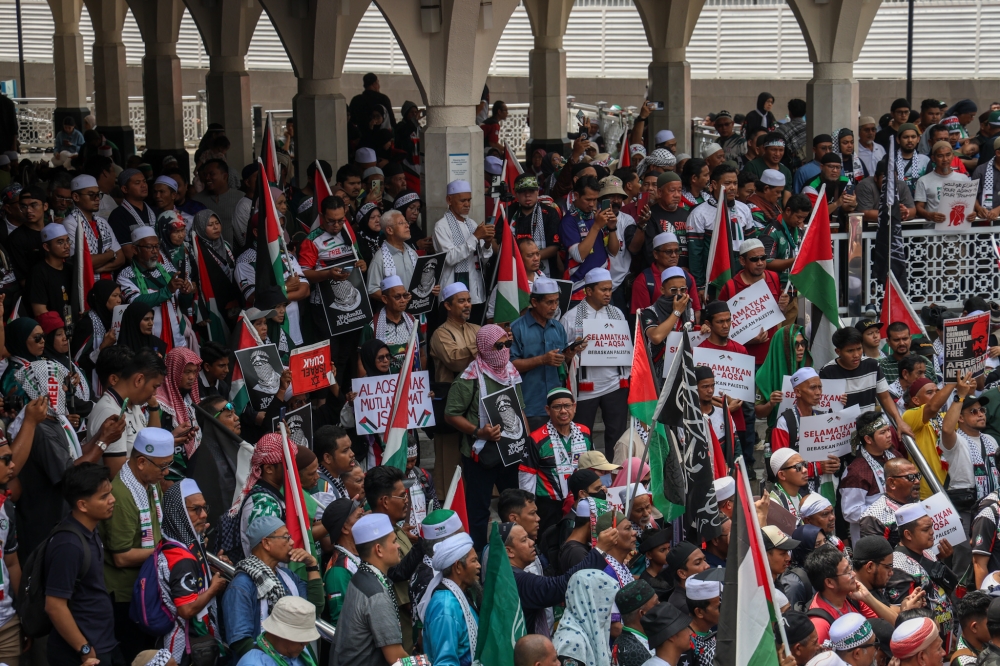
(110, 74)
(547, 74)
(321, 124)
(451, 140)
(832, 97)
(228, 86)
(670, 82)
(67, 61)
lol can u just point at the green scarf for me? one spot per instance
(780, 361)
(280, 659)
(140, 278)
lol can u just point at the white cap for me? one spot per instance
(845, 627)
(155, 443)
(803, 375)
(813, 503)
(433, 528)
(625, 492)
(750, 244)
(143, 231)
(544, 285)
(371, 527)
(663, 238)
(84, 181)
(365, 156)
(702, 590)
(583, 509)
(459, 187)
(493, 165)
(710, 149)
(166, 180)
(292, 619)
(724, 488)
(53, 231)
(189, 487)
(910, 512)
(595, 275)
(663, 136)
(773, 178)
(452, 289)
(672, 272)
(780, 457)
(372, 171)
(390, 281)
(105, 151)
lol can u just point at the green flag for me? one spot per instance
(501, 621)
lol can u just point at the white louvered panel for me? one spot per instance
(37, 27)
(627, 53)
(374, 47)
(702, 51)
(583, 42)
(989, 47)
(794, 52)
(190, 48)
(747, 45)
(884, 52)
(937, 55)
(511, 57)
(266, 50)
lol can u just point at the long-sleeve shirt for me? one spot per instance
(458, 250)
(446, 636)
(452, 347)
(241, 611)
(540, 592)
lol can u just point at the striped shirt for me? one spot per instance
(864, 383)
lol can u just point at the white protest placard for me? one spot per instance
(947, 522)
(673, 343)
(734, 373)
(826, 435)
(957, 201)
(609, 342)
(753, 309)
(833, 391)
(116, 321)
(374, 401)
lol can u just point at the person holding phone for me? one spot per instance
(588, 234)
(467, 244)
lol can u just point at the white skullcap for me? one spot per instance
(813, 503)
(803, 375)
(780, 457)
(189, 487)
(105, 151)
(750, 244)
(371, 527)
(625, 492)
(913, 636)
(663, 238)
(451, 550)
(724, 488)
(459, 187)
(390, 281)
(155, 443)
(365, 156)
(773, 178)
(780, 600)
(710, 149)
(544, 285)
(583, 509)
(143, 231)
(440, 523)
(672, 272)
(493, 166)
(4, 160)
(371, 171)
(166, 180)
(452, 289)
(849, 632)
(595, 275)
(910, 512)
(52, 231)
(663, 136)
(84, 181)
(826, 659)
(702, 590)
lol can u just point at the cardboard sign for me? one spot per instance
(300, 425)
(116, 322)
(673, 343)
(426, 274)
(753, 309)
(966, 345)
(504, 409)
(608, 343)
(957, 201)
(345, 302)
(734, 373)
(262, 370)
(947, 522)
(825, 435)
(310, 366)
(833, 391)
(374, 400)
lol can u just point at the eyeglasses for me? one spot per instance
(286, 537)
(34, 205)
(200, 508)
(757, 260)
(399, 497)
(405, 296)
(849, 572)
(669, 253)
(227, 407)
(976, 411)
(561, 407)
(162, 468)
(912, 478)
(677, 290)
(500, 345)
(147, 246)
(382, 357)
(800, 467)
(64, 199)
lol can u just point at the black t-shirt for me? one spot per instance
(51, 287)
(657, 218)
(25, 249)
(984, 535)
(572, 553)
(550, 226)
(41, 504)
(122, 221)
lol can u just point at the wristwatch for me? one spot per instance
(314, 567)
(678, 314)
(103, 446)
(85, 650)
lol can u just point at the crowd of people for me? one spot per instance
(126, 289)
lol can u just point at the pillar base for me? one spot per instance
(833, 98)
(452, 153)
(320, 128)
(76, 113)
(562, 146)
(670, 83)
(229, 105)
(154, 158)
(123, 137)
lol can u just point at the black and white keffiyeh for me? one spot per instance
(268, 584)
(388, 265)
(460, 232)
(987, 198)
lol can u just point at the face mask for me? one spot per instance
(606, 480)
(603, 495)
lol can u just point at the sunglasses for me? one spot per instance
(800, 343)
(912, 478)
(801, 467)
(227, 407)
(976, 411)
(6, 459)
(382, 357)
(38, 337)
(500, 345)
(757, 260)
(677, 290)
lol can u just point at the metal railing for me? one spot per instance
(918, 459)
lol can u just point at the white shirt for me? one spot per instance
(621, 262)
(7, 603)
(108, 206)
(135, 420)
(960, 462)
(605, 378)
(870, 158)
(459, 249)
(929, 188)
(702, 220)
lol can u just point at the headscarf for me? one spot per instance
(268, 451)
(446, 553)
(806, 535)
(586, 624)
(16, 339)
(176, 522)
(490, 361)
(170, 395)
(368, 352)
(638, 473)
(661, 157)
(129, 334)
(97, 299)
(780, 361)
(167, 222)
(55, 322)
(218, 245)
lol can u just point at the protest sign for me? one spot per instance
(966, 345)
(262, 370)
(833, 391)
(345, 302)
(947, 521)
(673, 343)
(753, 309)
(116, 322)
(825, 435)
(310, 366)
(609, 342)
(957, 202)
(300, 425)
(504, 409)
(734, 373)
(426, 274)
(374, 401)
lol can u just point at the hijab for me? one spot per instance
(780, 361)
(806, 536)
(638, 473)
(368, 352)
(371, 240)
(97, 299)
(170, 393)
(16, 339)
(129, 334)
(585, 627)
(218, 245)
(166, 223)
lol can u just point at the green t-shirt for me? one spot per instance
(120, 533)
(786, 243)
(463, 400)
(335, 582)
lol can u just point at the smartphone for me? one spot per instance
(377, 187)
(606, 204)
(572, 345)
(124, 407)
(347, 269)
(657, 106)
(641, 202)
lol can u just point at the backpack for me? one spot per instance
(30, 600)
(147, 608)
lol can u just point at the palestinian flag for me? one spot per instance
(269, 154)
(84, 267)
(296, 519)
(511, 168)
(394, 449)
(896, 307)
(721, 265)
(269, 267)
(745, 636)
(455, 499)
(246, 337)
(209, 304)
(512, 289)
(642, 401)
(501, 620)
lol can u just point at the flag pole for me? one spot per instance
(294, 492)
(631, 444)
(453, 488)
